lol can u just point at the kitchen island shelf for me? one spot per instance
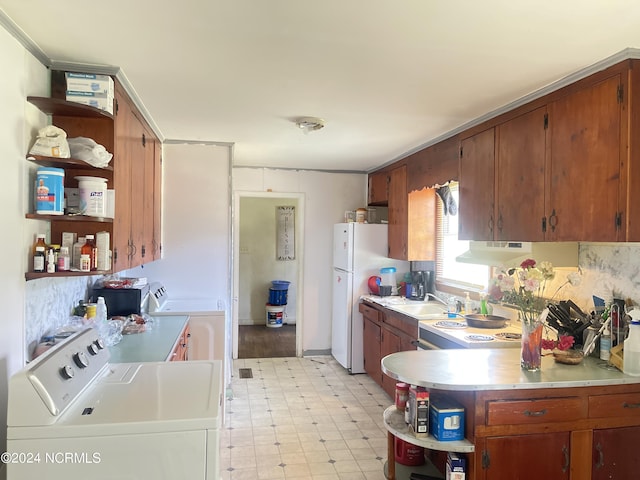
(395, 424)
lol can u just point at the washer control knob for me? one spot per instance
(93, 349)
(81, 359)
(67, 372)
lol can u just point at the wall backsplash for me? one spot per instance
(48, 305)
(610, 270)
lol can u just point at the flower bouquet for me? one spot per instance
(523, 288)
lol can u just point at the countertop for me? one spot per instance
(495, 369)
(153, 345)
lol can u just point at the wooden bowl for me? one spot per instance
(568, 357)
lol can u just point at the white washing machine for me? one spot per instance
(73, 415)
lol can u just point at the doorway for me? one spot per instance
(268, 245)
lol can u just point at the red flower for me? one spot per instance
(528, 263)
(565, 342)
(548, 344)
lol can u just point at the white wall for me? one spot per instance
(258, 262)
(195, 223)
(327, 196)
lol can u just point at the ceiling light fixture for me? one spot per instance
(309, 124)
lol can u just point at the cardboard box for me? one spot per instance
(68, 239)
(104, 253)
(100, 103)
(446, 419)
(456, 467)
(89, 82)
(419, 411)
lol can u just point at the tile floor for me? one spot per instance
(303, 418)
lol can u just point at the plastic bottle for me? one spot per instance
(40, 242)
(63, 259)
(468, 304)
(101, 310)
(451, 307)
(51, 261)
(483, 304)
(89, 248)
(605, 344)
(631, 365)
(38, 259)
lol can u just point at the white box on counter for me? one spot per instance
(89, 82)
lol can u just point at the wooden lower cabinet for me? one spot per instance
(615, 453)
(544, 456)
(385, 333)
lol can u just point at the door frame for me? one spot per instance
(235, 273)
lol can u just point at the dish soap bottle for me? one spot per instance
(468, 304)
(483, 304)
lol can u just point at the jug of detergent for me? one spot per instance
(631, 363)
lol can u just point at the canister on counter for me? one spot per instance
(402, 395)
(361, 215)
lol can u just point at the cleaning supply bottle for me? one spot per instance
(631, 364)
(468, 304)
(605, 344)
(483, 304)
(452, 307)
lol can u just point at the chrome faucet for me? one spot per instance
(436, 298)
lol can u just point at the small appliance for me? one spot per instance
(123, 301)
(418, 285)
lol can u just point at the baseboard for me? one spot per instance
(313, 353)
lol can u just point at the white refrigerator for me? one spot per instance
(359, 251)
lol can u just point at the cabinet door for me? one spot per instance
(421, 222)
(148, 184)
(138, 212)
(523, 457)
(122, 183)
(157, 201)
(477, 169)
(398, 224)
(371, 341)
(584, 167)
(390, 344)
(378, 194)
(615, 453)
(519, 192)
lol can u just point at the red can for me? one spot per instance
(402, 395)
(408, 454)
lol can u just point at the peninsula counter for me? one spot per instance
(574, 422)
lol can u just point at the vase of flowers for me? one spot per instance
(522, 288)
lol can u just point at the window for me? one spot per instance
(449, 273)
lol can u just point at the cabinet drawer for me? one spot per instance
(405, 325)
(620, 405)
(518, 412)
(370, 312)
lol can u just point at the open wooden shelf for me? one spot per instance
(65, 163)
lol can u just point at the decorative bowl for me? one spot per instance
(568, 357)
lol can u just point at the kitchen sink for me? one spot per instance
(420, 310)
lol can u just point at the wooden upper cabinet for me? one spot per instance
(477, 172)
(378, 189)
(584, 165)
(435, 165)
(519, 187)
(421, 221)
(398, 221)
